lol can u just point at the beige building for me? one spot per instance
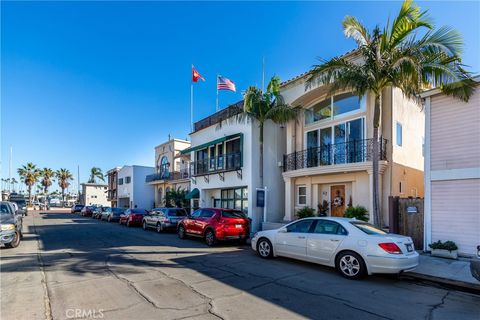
(329, 149)
(452, 170)
(95, 194)
(171, 169)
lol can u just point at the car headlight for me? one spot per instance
(6, 227)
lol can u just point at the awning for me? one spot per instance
(210, 143)
(194, 194)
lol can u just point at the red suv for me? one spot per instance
(132, 217)
(214, 224)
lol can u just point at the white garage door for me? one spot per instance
(456, 213)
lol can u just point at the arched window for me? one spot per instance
(164, 167)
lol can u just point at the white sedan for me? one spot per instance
(354, 247)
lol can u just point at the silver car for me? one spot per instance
(162, 219)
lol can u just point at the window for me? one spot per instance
(120, 181)
(177, 212)
(329, 227)
(207, 213)
(300, 226)
(196, 214)
(235, 199)
(344, 103)
(320, 111)
(399, 134)
(367, 228)
(164, 167)
(128, 179)
(401, 189)
(301, 195)
(340, 104)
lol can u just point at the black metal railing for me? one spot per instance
(330, 154)
(167, 175)
(219, 116)
(225, 162)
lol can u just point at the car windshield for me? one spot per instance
(4, 209)
(107, 209)
(367, 228)
(233, 214)
(177, 213)
(117, 210)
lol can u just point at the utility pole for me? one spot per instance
(78, 183)
(10, 169)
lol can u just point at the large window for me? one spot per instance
(301, 195)
(399, 134)
(164, 167)
(235, 199)
(334, 106)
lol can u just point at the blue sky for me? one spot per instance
(102, 83)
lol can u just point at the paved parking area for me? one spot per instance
(71, 267)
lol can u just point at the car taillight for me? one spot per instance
(390, 247)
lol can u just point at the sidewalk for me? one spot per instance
(445, 271)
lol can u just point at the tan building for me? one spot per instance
(452, 170)
(329, 149)
(171, 169)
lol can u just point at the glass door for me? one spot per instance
(355, 142)
(339, 132)
(312, 148)
(326, 146)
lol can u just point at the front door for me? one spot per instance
(337, 198)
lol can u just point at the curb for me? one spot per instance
(454, 284)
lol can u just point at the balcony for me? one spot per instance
(356, 151)
(222, 163)
(168, 176)
(219, 116)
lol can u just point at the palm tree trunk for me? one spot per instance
(376, 155)
(63, 197)
(29, 195)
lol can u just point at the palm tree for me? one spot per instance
(397, 56)
(95, 173)
(63, 177)
(13, 182)
(47, 174)
(269, 105)
(29, 175)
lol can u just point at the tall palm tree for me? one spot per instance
(46, 174)
(95, 173)
(269, 105)
(29, 175)
(397, 56)
(64, 177)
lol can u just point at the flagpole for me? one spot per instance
(217, 94)
(191, 107)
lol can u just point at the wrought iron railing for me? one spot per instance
(219, 116)
(330, 154)
(167, 175)
(225, 162)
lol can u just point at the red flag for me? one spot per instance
(196, 75)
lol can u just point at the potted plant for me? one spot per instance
(323, 208)
(357, 212)
(305, 212)
(447, 249)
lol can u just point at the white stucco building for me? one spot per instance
(452, 170)
(94, 194)
(225, 164)
(132, 190)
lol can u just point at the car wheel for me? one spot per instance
(210, 239)
(15, 242)
(351, 265)
(181, 232)
(144, 225)
(159, 227)
(265, 248)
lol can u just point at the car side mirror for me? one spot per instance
(282, 230)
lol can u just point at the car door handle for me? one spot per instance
(335, 240)
(301, 237)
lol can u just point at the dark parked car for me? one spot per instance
(214, 224)
(132, 217)
(112, 215)
(475, 265)
(11, 223)
(87, 211)
(163, 218)
(77, 208)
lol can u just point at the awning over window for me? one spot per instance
(210, 143)
(194, 194)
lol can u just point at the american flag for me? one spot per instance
(225, 84)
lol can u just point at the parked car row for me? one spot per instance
(11, 224)
(355, 248)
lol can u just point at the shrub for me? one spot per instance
(447, 245)
(305, 212)
(357, 212)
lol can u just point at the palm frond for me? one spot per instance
(352, 28)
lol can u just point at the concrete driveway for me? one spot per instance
(71, 267)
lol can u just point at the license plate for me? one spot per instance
(238, 226)
(409, 247)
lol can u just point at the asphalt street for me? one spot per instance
(71, 267)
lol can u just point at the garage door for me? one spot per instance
(456, 213)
